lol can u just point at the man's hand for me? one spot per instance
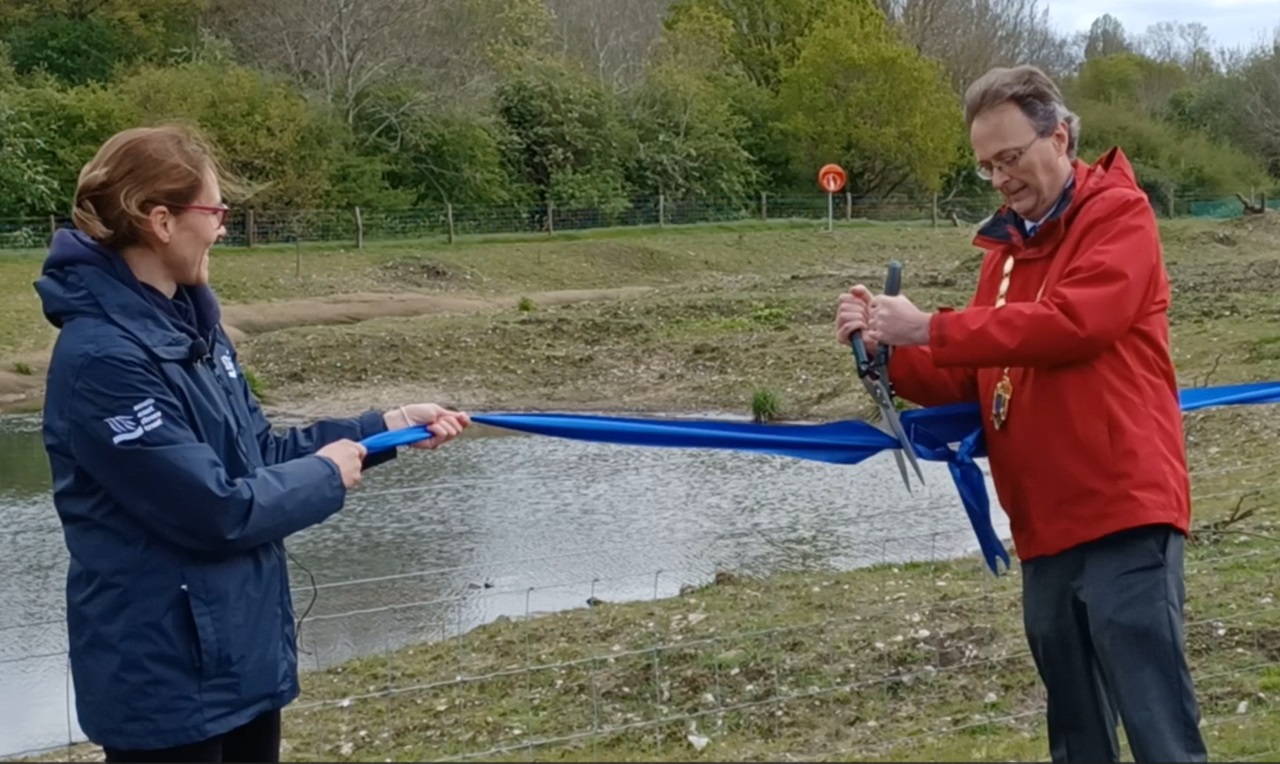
(348, 457)
(443, 424)
(898, 322)
(853, 313)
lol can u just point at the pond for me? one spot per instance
(437, 543)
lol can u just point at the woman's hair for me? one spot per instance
(135, 171)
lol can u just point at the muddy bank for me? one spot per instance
(22, 378)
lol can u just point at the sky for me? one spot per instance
(1230, 22)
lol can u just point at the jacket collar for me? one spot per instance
(1003, 230)
(82, 278)
(1006, 228)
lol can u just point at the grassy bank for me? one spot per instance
(920, 662)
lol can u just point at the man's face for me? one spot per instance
(1028, 170)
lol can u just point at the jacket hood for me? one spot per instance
(81, 278)
(1111, 171)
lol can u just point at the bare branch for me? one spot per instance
(971, 36)
(346, 48)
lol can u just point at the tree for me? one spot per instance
(1240, 107)
(970, 37)
(1106, 37)
(688, 130)
(79, 41)
(1167, 159)
(568, 139)
(28, 179)
(346, 49)
(766, 33)
(1186, 45)
(437, 156)
(613, 39)
(1259, 84)
(1126, 78)
(270, 135)
(858, 97)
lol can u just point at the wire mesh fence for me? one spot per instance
(921, 656)
(355, 226)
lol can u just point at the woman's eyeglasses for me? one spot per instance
(220, 211)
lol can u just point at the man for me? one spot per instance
(1065, 346)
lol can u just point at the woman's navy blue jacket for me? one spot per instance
(175, 497)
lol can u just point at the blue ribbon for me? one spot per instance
(931, 432)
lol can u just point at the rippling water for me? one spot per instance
(435, 544)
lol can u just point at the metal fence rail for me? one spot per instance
(247, 226)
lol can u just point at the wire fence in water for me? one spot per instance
(919, 656)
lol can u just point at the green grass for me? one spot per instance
(765, 406)
(23, 329)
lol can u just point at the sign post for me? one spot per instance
(832, 179)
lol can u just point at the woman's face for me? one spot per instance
(192, 232)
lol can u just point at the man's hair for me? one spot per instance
(136, 170)
(1033, 92)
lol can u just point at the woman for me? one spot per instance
(174, 493)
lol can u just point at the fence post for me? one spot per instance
(848, 205)
(53, 228)
(250, 228)
(359, 229)
(551, 220)
(764, 205)
(448, 212)
(662, 210)
(933, 212)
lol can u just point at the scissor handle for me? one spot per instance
(860, 353)
(892, 287)
(893, 282)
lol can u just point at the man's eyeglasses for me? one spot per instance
(986, 170)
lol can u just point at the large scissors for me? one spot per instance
(874, 374)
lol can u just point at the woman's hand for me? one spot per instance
(348, 456)
(443, 424)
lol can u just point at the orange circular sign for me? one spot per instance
(831, 177)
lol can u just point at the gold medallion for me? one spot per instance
(1000, 402)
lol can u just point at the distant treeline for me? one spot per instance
(399, 103)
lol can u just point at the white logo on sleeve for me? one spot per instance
(229, 364)
(146, 417)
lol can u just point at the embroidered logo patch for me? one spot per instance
(229, 365)
(145, 418)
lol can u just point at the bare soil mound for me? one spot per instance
(22, 379)
(255, 318)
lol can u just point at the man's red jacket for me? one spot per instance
(1093, 443)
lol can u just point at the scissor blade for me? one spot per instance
(895, 425)
(902, 468)
(890, 424)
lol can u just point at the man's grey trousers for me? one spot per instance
(1104, 622)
